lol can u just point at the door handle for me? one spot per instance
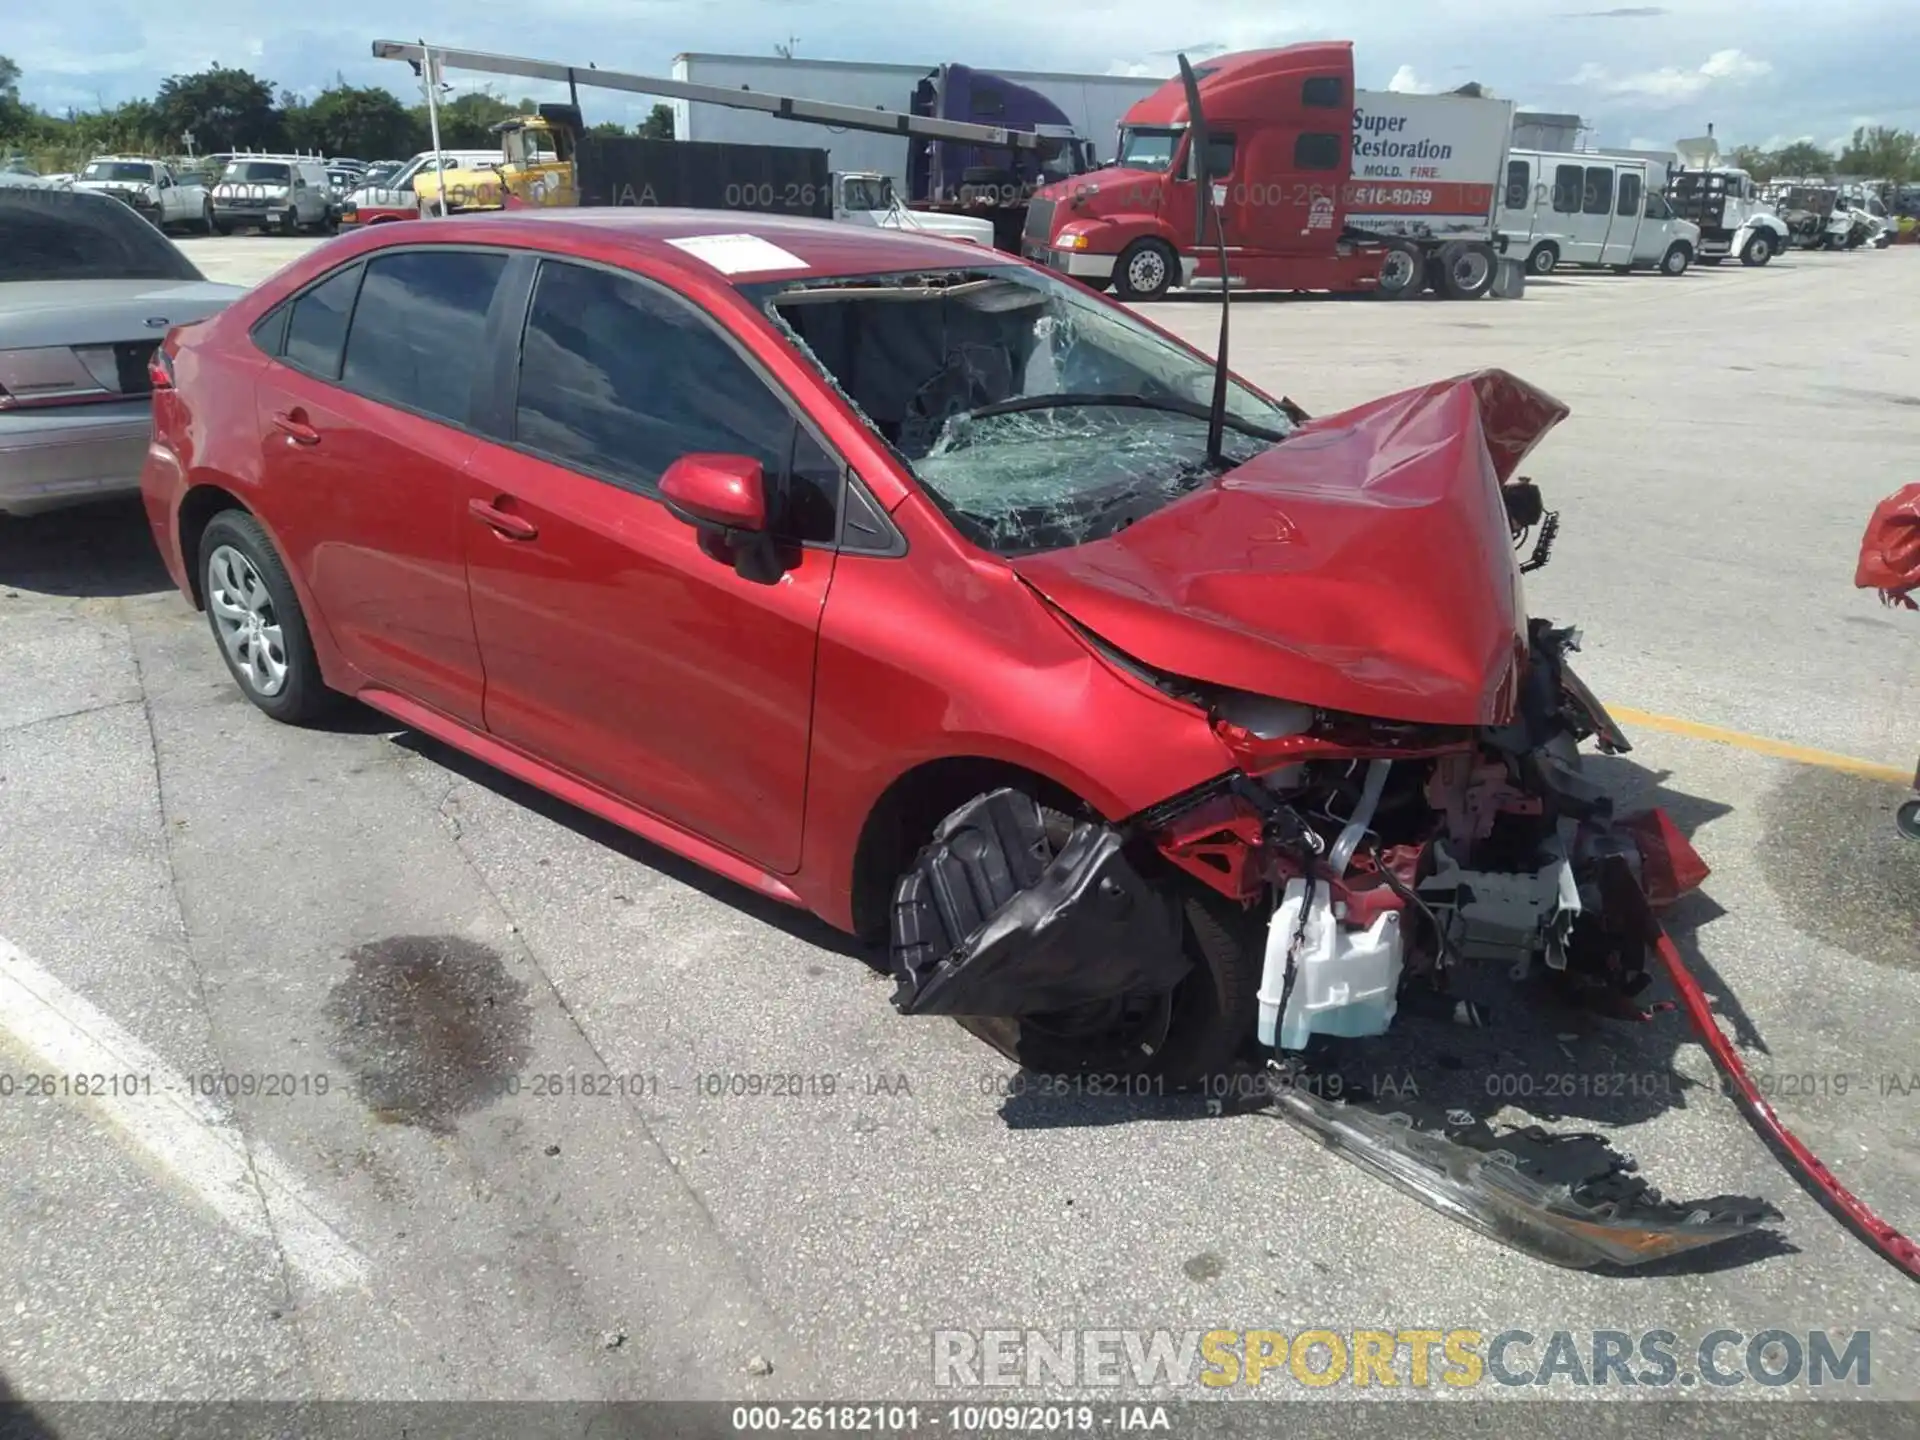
(513, 527)
(296, 428)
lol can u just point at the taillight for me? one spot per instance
(160, 370)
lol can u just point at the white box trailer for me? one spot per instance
(1093, 104)
(1427, 166)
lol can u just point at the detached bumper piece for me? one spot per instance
(993, 921)
(1507, 1187)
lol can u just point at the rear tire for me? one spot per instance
(1403, 271)
(1544, 258)
(254, 613)
(1465, 269)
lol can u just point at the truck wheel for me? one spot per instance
(1676, 260)
(208, 226)
(1545, 256)
(1759, 250)
(1146, 270)
(220, 227)
(1403, 271)
(1466, 269)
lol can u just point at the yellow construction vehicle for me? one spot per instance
(536, 167)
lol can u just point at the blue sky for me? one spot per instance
(1764, 71)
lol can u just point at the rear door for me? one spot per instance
(1517, 197)
(618, 644)
(364, 432)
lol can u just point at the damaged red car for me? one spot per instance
(915, 588)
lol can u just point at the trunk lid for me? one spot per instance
(1363, 565)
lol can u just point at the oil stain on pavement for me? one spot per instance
(1846, 877)
(432, 1027)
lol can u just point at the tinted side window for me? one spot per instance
(1567, 182)
(317, 329)
(1316, 152)
(1519, 184)
(1219, 156)
(419, 330)
(1323, 91)
(51, 235)
(1597, 198)
(1629, 202)
(620, 378)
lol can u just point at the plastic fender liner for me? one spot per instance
(990, 922)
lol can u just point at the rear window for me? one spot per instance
(419, 329)
(62, 235)
(257, 172)
(123, 171)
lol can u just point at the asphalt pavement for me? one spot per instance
(461, 1094)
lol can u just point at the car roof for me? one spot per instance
(822, 247)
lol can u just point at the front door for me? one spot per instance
(618, 644)
(363, 459)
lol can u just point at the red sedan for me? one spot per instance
(925, 590)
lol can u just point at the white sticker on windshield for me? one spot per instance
(739, 254)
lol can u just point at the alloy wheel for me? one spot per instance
(248, 624)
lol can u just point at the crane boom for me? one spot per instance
(781, 107)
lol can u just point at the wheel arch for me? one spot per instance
(198, 506)
(902, 817)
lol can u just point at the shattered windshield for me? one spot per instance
(1035, 415)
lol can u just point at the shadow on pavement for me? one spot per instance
(797, 923)
(103, 549)
(19, 1420)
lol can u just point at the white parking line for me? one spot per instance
(181, 1129)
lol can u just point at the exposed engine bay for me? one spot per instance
(1375, 862)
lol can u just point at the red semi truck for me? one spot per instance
(1320, 186)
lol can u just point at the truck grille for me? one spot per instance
(1039, 222)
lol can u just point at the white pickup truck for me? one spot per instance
(151, 188)
(866, 197)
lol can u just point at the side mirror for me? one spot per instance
(724, 491)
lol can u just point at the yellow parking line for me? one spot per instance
(1760, 745)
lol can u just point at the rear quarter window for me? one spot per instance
(317, 326)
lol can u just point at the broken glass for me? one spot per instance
(1105, 420)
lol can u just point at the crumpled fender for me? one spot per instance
(1890, 550)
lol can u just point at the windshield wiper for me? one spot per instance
(1190, 408)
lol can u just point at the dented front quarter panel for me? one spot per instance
(1363, 565)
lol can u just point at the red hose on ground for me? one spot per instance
(1858, 1218)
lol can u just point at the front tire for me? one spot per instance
(1676, 260)
(257, 622)
(1177, 1040)
(1758, 251)
(1146, 270)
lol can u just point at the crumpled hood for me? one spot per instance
(1364, 565)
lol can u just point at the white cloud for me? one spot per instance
(1406, 82)
(1132, 67)
(1671, 85)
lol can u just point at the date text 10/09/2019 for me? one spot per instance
(965, 1419)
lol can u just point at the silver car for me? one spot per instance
(87, 292)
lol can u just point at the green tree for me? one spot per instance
(467, 122)
(367, 122)
(1880, 152)
(1760, 164)
(1802, 157)
(659, 123)
(15, 119)
(607, 127)
(225, 109)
